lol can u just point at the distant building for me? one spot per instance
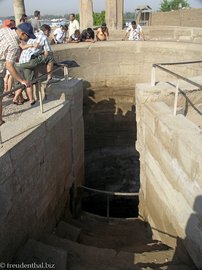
(143, 14)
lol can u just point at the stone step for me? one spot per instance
(81, 254)
(127, 235)
(67, 231)
(41, 255)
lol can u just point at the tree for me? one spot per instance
(98, 18)
(167, 5)
(19, 9)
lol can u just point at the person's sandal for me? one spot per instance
(2, 122)
(17, 102)
(33, 102)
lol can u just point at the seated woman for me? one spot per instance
(87, 35)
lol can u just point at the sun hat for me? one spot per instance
(27, 29)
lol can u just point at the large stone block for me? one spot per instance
(43, 256)
(86, 14)
(37, 174)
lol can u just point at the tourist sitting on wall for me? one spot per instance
(87, 35)
(60, 35)
(134, 32)
(75, 38)
(102, 33)
(33, 57)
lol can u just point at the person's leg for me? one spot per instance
(10, 83)
(27, 70)
(48, 61)
(29, 74)
(30, 95)
(18, 93)
(1, 92)
(6, 78)
(49, 69)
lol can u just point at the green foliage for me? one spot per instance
(77, 17)
(66, 16)
(98, 18)
(129, 16)
(167, 5)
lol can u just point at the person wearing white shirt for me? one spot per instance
(73, 24)
(60, 35)
(134, 31)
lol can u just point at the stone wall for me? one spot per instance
(131, 63)
(170, 150)
(179, 34)
(38, 165)
(182, 17)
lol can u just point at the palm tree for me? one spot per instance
(19, 9)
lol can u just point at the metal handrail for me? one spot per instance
(179, 63)
(110, 193)
(39, 81)
(124, 194)
(178, 76)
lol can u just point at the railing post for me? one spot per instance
(0, 127)
(66, 73)
(40, 97)
(0, 137)
(108, 208)
(153, 76)
(176, 98)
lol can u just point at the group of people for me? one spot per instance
(25, 47)
(71, 33)
(22, 50)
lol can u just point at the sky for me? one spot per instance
(61, 7)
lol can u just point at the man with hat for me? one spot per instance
(9, 51)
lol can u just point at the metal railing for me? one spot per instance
(39, 85)
(178, 76)
(110, 194)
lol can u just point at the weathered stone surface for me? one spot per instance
(44, 256)
(38, 167)
(170, 153)
(114, 14)
(181, 17)
(67, 231)
(132, 63)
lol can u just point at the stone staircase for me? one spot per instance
(92, 243)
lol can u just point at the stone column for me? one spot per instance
(114, 14)
(86, 14)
